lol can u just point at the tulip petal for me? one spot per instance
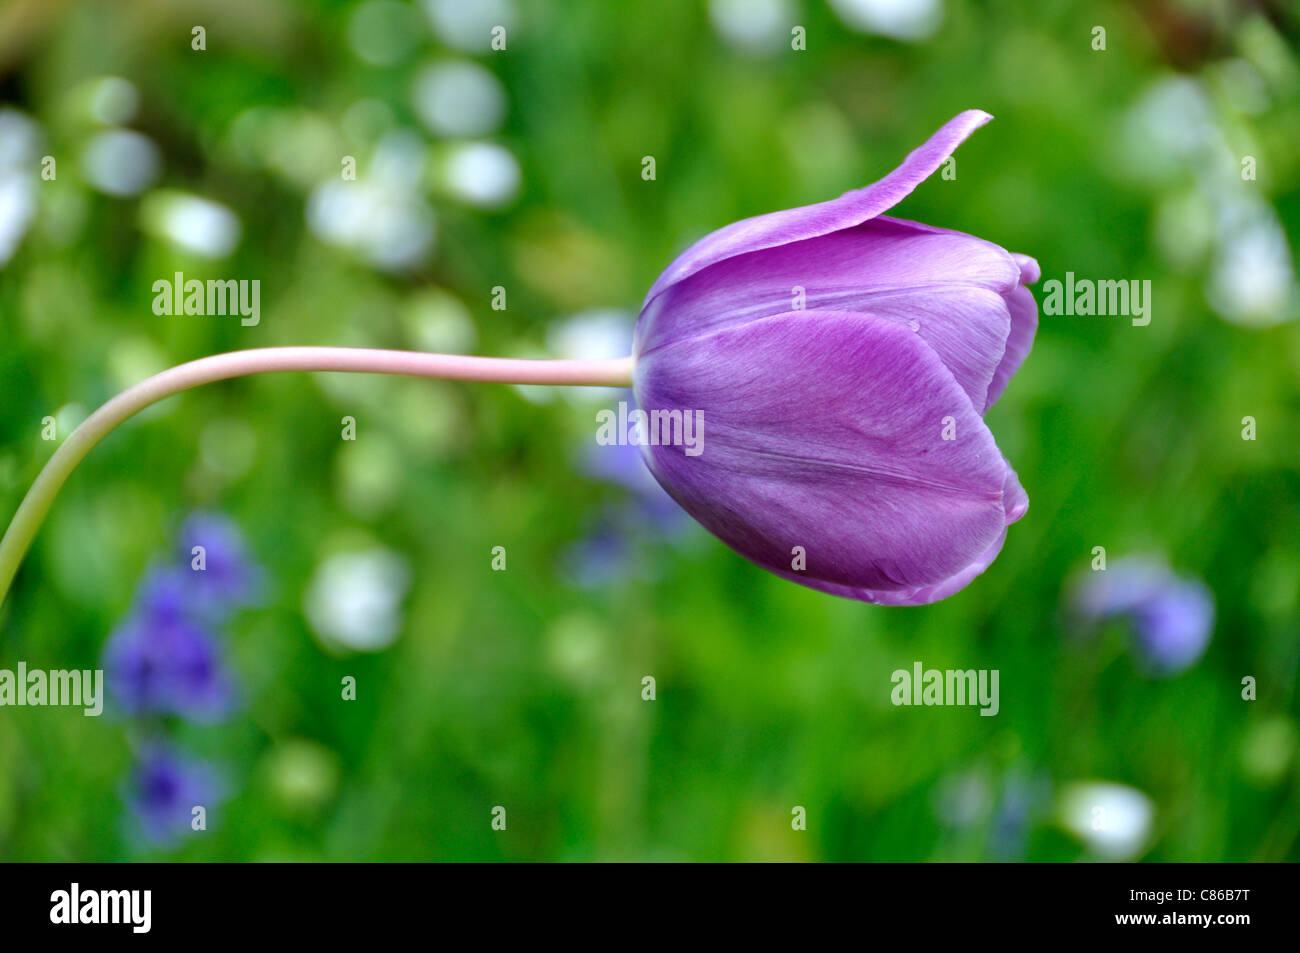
(1024, 324)
(948, 286)
(910, 597)
(810, 221)
(1015, 503)
(826, 430)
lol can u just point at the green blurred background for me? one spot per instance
(523, 170)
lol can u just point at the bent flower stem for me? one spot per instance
(31, 512)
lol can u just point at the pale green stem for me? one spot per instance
(31, 513)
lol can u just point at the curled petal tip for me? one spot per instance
(958, 128)
(1029, 270)
(812, 221)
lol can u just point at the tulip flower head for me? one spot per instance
(843, 361)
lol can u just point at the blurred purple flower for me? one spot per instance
(618, 463)
(1171, 617)
(621, 464)
(1120, 589)
(161, 661)
(165, 657)
(608, 551)
(164, 593)
(230, 579)
(163, 791)
(600, 557)
(842, 362)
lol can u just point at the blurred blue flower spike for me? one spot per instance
(170, 795)
(1170, 616)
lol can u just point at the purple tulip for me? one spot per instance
(841, 362)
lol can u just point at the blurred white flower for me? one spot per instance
(389, 229)
(197, 225)
(1114, 820)
(899, 19)
(1252, 280)
(459, 98)
(17, 208)
(354, 600)
(593, 335)
(20, 143)
(381, 216)
(753, 24)
(20, 138)
(1170, 127)
(1173, 133)
(468, 26)
(481, 173)
(120, 162)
